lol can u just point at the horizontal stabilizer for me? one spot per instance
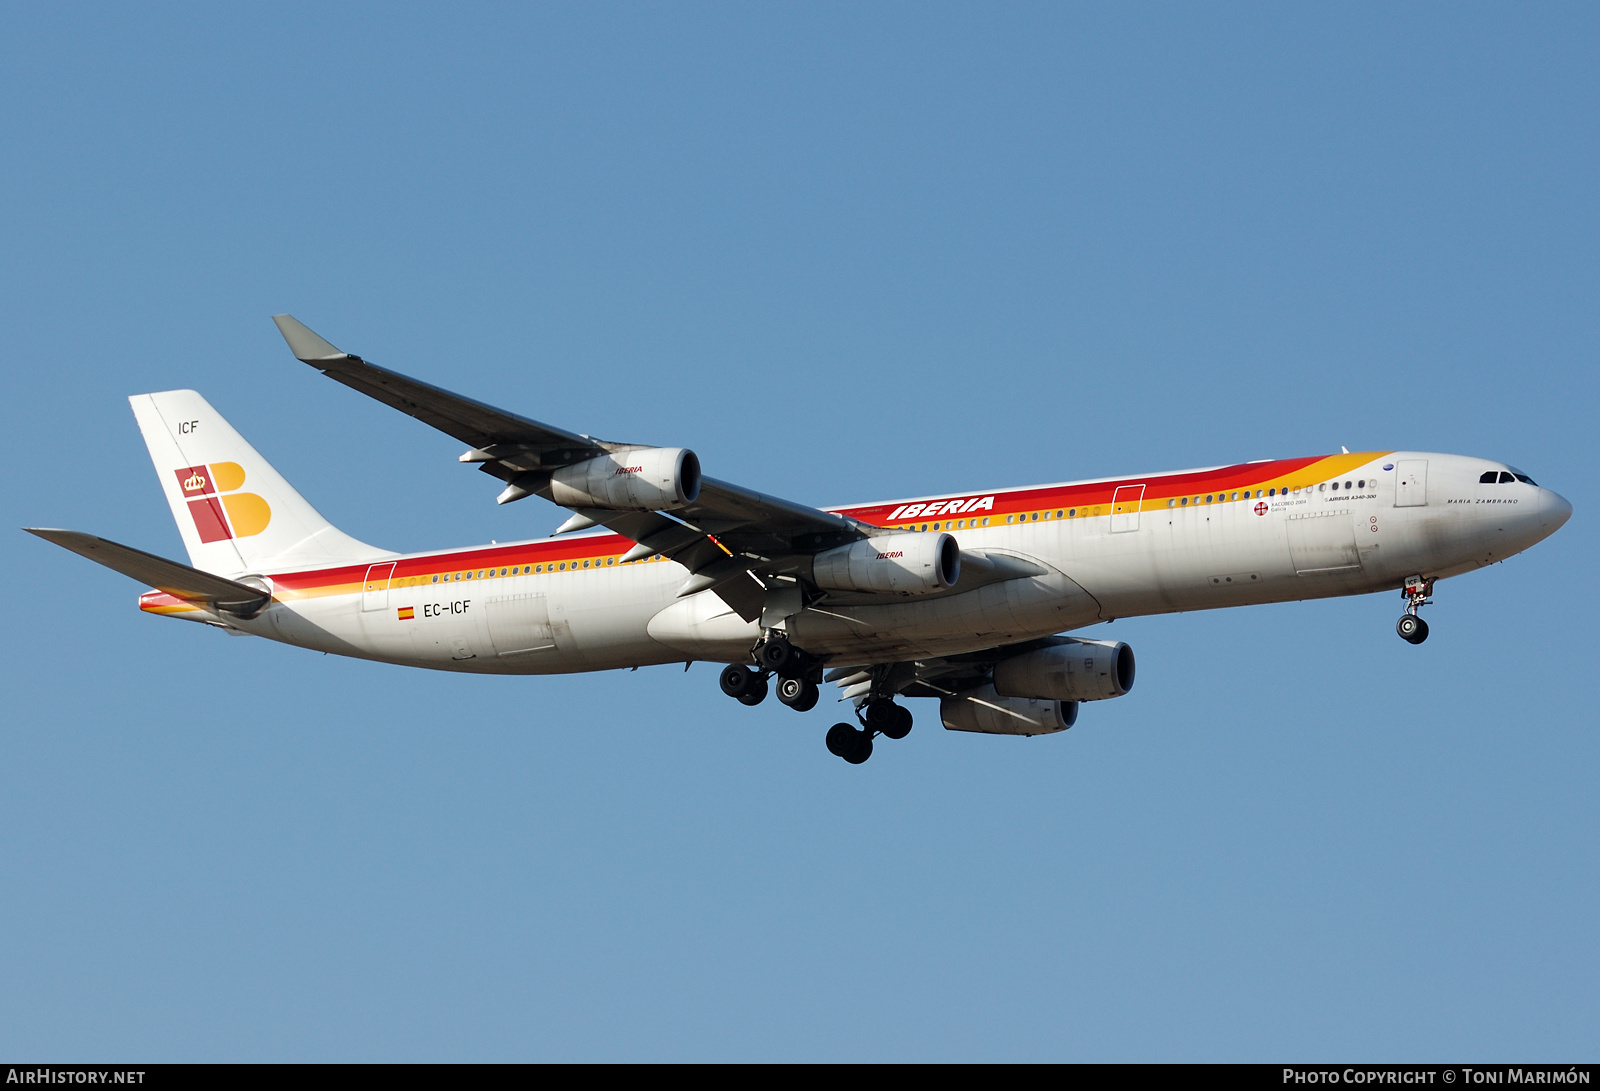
(178, 580)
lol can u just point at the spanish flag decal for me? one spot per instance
(407, 613)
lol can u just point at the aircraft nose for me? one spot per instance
(1554, 510)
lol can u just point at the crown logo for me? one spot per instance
(194, 481)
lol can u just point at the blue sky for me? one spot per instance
(846, 253)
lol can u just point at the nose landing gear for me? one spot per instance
(1416, 592)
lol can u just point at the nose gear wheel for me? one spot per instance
(1416, 592)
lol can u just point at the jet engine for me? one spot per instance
(1079, 670)
(908, 563)
(639, 479)
(984, 710)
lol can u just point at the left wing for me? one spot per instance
(733, 540)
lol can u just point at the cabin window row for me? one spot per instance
(1060, 513)
(950, 524)
(513, 570)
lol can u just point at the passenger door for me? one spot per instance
(1411, 484)
(1125, 505)
(375, 588)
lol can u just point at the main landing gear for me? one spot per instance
(879, 716)
(797, 674)
(1411, 627)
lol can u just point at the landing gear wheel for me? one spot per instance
(880, 714)
(756, 693)
(901, 726)
(1411, 628)
(849, 743)
(798, 694)
(737, 680)
(779, 656)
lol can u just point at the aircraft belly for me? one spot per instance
(995, 614)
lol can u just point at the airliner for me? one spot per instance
(965, 598)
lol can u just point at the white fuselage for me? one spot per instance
(1100, 550)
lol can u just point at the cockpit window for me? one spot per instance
(1525, 479)
(1505, 478)
(1489, 477)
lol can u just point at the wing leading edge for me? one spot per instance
(734, 541)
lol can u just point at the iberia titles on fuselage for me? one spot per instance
(961, 597)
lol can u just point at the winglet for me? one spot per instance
(305, 345)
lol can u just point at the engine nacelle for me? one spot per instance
(1082, 670)
(984, 710)
(639, 479)
(909, 563)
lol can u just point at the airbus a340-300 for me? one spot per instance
(961, 598)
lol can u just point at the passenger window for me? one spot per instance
(985, 520)
(1183, 501)
(1505, 478)
(1011, 518)
(1035, 517)
(1489, 477)
(1208, 498)
(1335, 486)
(1058, 513)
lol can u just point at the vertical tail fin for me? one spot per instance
(235, 512)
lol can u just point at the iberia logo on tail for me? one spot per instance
(218, 509)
